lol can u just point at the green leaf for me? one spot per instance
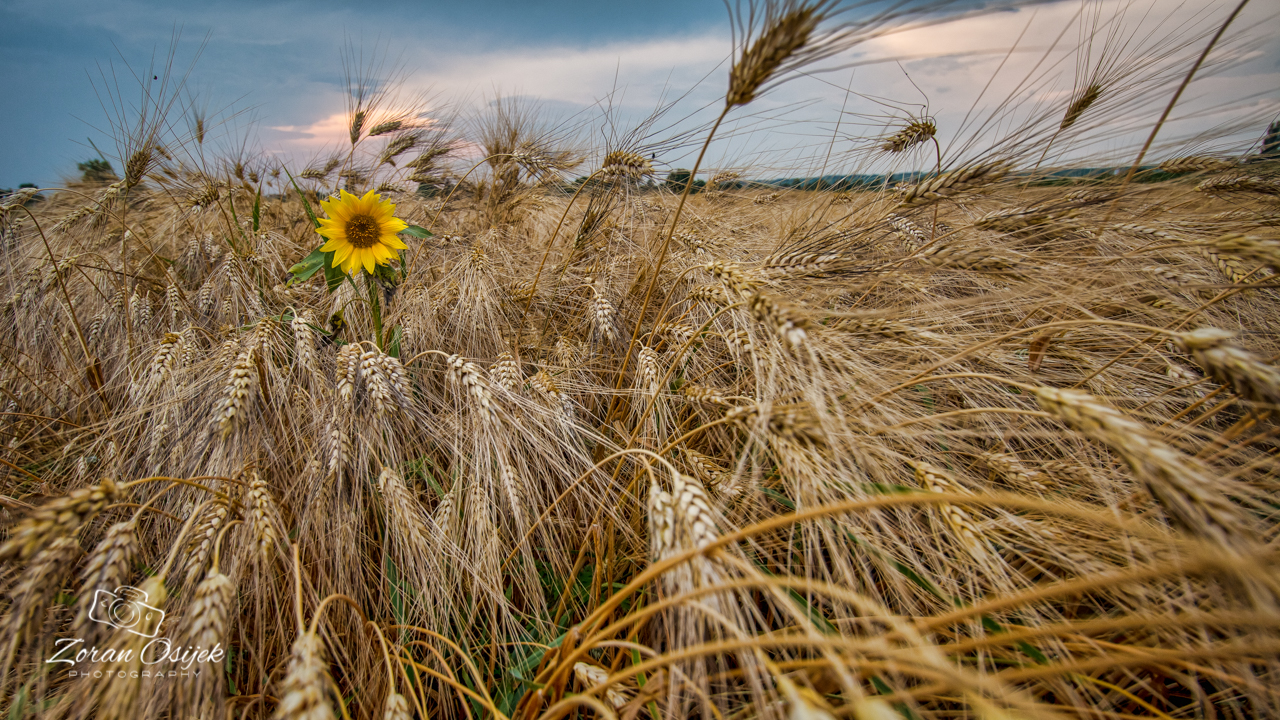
(884, 689)
(813, 614)
(1032, 651)
(308, 266)
(779, 497)
(393, 347)
(257, 208)
(419, 232)
(235, 222)
(305, 205)
(333, 276)
(518, 670)
(889, 489)
(230, 670)
(18, 709)
(910, 574)
(400, 590)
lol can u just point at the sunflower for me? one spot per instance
(361, 231)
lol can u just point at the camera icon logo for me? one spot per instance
(127, 609)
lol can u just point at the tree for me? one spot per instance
(677, 179)
(1271, 141)
(96, 170)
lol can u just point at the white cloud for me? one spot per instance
(952, 63)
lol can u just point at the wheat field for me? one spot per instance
(994, 442)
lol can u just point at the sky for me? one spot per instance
(270, 75)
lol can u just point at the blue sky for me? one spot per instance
(276, 62)
(276, 67)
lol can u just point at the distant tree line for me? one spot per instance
(6, 192)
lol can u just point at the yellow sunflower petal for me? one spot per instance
(367, 258)
(332, 229)
(384, 254)
(394, 242)
(341, 253)
(392, 225)
(340, 213)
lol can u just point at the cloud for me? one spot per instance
(283, 61)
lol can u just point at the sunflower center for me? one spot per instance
(363, 231)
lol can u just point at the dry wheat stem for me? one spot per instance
(1177, 94)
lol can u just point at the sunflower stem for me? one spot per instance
(376, 308)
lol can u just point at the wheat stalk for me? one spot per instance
(777, 47)
(1264, 251)
(732, 278)
(348, 372)
(973, 260)
(1011, 469)
(1195, 163)
(1240, 184)
(1016, 219)
(1181, 483)
(709, 293)
(915, 132)
(403, 510)
(590, 676)
(505, 372)
(375, 381)
(396, 708)
(953, 183)
(304, 691)
(1232, 365)
(160, 366)
(263, 516)
(107, 568)
(470, 378)
(800, 265)
(912, 236)
(1229, 265)
(624, 164)
(661, 521)
(882, 327)
(965, 529)
(206, 626)
(61, 517)
(1082, 102)
(238, 391)
(36, 586)
(647, 362)
(603, 316)
(304, 343)
(201, 538)
(780, 317)
(338, 448)
(703, 394)
(398, 380)
(120, 698)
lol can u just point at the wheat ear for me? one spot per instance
(1182, 484)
